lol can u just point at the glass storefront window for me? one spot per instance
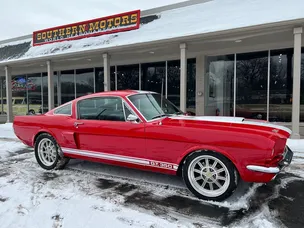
(112, 78)
(67, 79)
(84, 82)
(128, 77)
(99, 79)
(153, 77)
(2, 95)
(45, 92)
(191, 86)
(302, 88)
(34, 83)
(280, 94)
(251, 85)
(219, 82)
(19, 95)
(174, 82)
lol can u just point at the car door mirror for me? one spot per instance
(132, 118)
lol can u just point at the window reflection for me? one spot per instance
(34, 83)
(67, 86)
(112, 78)
(191, 87)
(174, 82)
(302, 88)
(99, 79)
(251, 90)
(128, 77)
(280, 94)
(45, 92)
(19, 95)
(219, 85)
(2, 95)
(154, 77)
(84, 82)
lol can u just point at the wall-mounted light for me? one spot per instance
(238, 41)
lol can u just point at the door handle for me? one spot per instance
(77, 123)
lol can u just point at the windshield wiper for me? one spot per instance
(159, 116)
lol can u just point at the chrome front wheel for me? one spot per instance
(210, 176)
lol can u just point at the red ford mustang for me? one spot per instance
(143, 130)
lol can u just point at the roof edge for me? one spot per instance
(277, 25)
(172, 6)
(15, 39)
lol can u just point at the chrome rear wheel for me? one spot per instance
(48, 153)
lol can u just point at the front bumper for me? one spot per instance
(286, 160)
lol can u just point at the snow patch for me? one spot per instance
(296, 145)
(7, 132)
(240, 203)
(262, 219)
(8, 149)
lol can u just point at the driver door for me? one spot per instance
(103, 132)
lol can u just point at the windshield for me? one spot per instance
(152, 106)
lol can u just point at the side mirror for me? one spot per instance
(132, 118)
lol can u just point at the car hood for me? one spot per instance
(233, 122)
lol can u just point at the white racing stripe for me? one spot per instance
(238, 120)
(121, 158)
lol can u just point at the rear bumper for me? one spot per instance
(286, 160)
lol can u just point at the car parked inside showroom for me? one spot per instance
(144, 130)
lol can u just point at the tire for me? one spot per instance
(56, 159)
(223, 177)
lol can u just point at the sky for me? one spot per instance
(22, 17)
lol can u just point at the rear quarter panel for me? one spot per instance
(27, 128)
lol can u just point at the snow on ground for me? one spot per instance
(6, 131)
(88, 194)
(32, 198)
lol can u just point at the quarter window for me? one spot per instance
(64, 110)
(101, 108)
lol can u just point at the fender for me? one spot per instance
(210, 148)
(42, 130)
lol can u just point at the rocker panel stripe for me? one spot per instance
(121, 158)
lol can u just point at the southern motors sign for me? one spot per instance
(106, 25)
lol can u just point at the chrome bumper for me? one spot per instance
(287, 158)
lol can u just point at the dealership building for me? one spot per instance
(212, 57)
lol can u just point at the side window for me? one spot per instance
(64, 110)
(101, 108)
